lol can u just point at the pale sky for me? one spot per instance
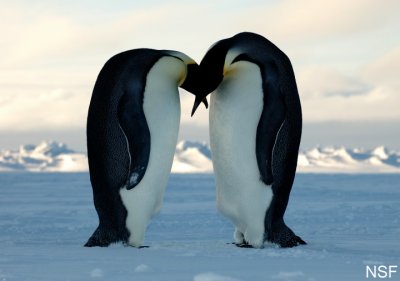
(345, 54)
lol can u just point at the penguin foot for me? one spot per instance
(126, 244)
(285, 237)
(244, 244)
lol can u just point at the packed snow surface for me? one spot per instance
(195, 157)
(349, 222)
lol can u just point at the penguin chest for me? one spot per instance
(161, 107)
(235, 111)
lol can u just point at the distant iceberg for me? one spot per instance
(48, 156)
(195, 157)
(192, 157)
(343, 160)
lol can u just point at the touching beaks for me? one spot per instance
(197, 103)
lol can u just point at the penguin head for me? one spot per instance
(219, 60)
(189, 79)
(194, 83)
(210, 72)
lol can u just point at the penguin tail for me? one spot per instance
(102, 238)
(284, 237)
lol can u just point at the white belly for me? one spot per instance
(235, 110)
(162, 110)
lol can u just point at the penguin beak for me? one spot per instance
(205, 102)
(197, 102)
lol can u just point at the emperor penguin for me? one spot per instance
(255, 128)
(132, 130)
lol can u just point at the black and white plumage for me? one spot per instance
(255, 131)
(132, 130)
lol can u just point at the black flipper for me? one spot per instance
(133, 123)
(271, 120)
(285, 155)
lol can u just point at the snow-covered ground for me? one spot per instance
(195, 157)
(349, 222)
